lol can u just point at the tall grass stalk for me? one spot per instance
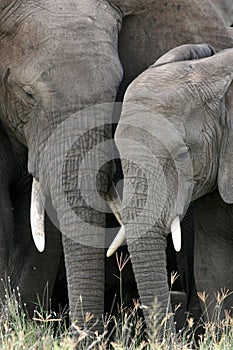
(47, 331)
(18, 331)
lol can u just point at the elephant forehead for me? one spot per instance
(49, 51)
(174, 104)
(163, 82)
(173, 90)
(39, 19)
(138, 120)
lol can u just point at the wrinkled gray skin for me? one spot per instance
(58, 57)
(175, 139)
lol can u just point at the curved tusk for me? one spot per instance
(117, 242)
(37, 216)
(176, 233)
(114, 202)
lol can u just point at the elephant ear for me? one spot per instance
(225, 173)
(185, 53)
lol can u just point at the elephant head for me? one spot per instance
(175, 141)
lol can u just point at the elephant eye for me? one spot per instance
(183, 154)
(29, 93)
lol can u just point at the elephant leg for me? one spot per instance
(184, 288)
(60, 302)
(178, 296)
(213, 250)
(185, 262)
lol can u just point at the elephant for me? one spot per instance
(63, 65)
(175, 141)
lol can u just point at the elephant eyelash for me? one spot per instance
(29, 93)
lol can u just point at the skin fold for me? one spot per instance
(59, 58)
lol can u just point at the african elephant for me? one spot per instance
(63, 64)
(175, 141)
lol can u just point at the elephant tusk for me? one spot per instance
(176, 233)
(117, 242)
(37, 216)
(114, 202)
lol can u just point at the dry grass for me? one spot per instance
(48, 331)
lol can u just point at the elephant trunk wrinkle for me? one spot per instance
(85, 266)
(150, 249)
(78, 179)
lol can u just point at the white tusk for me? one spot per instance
(117, 242)
(176, 233)
(37, 216)
(114, 202)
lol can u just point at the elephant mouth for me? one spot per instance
(121, 237)
(37, 216)
(37, 212)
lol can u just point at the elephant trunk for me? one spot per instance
(77, 176)
(143, 220)
(148, 257)
(156, 195)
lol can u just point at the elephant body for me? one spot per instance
(58, 60)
